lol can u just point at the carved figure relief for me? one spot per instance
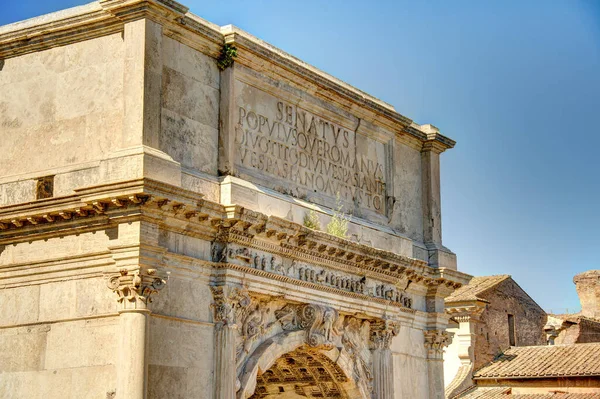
(229, 303)
(232, 253)
(254, 320)
(355, 341)
(320, 322)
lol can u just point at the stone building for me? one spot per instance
(152, 198)
(582, 327)
(488, 315)
(540, 372)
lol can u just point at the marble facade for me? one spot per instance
(151, 219)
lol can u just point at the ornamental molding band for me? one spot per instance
(135, 288)
(436, 341)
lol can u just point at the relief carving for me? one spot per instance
(320, 322)
(231, 253)
(229, 303)
(355, 341)
(254, 321)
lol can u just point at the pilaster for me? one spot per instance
(439, 256)
(228, 126)
(381, 336)
(134, 290)
(142, 83)
(227, 300)
(435, 342)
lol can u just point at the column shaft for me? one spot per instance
(383, 378)
(225, 372)
(435, 374)
(131, 368)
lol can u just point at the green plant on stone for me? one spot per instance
(311, 220)
(338, 225)
(228, 53)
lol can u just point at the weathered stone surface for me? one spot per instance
(168, 258)
(588, 289)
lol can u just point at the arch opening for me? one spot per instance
(302, 373)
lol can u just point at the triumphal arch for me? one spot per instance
(165, 190)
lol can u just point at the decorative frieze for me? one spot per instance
(292, 268)
(135, 288)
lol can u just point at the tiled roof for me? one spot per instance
(505, 393)
(476, 286)
(575, 360)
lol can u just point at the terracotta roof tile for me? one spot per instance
(476, 286)
(544, 361)
(505, 393)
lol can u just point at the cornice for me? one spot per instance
(98, 206)
(57, 29)
(109, 16)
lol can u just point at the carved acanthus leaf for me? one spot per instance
(135, 288)
(382, 332)
(436, 341)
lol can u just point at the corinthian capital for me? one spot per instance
(382, 332)
(135, 288)
(436, 341)
(228, 303)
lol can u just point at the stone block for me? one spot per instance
(90, 89)
(82, 344)
(191, 143)
(17, 192)
(209, 188)
(178, 344)
(180, 298)
(41, 64)
(102, 50)
(167, 382)
(57, 300)
(93, 298)
(22, 349)
(19, 305)
(191, 63)
(190, 98)
(94, 382)
(413, 384)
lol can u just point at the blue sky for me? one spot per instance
(515, 83)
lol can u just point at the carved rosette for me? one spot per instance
(382, 332)
(436, 341)
(228, 303)
(135, 288)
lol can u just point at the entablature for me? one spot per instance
(234, 231)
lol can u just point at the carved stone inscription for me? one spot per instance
(307, 153)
